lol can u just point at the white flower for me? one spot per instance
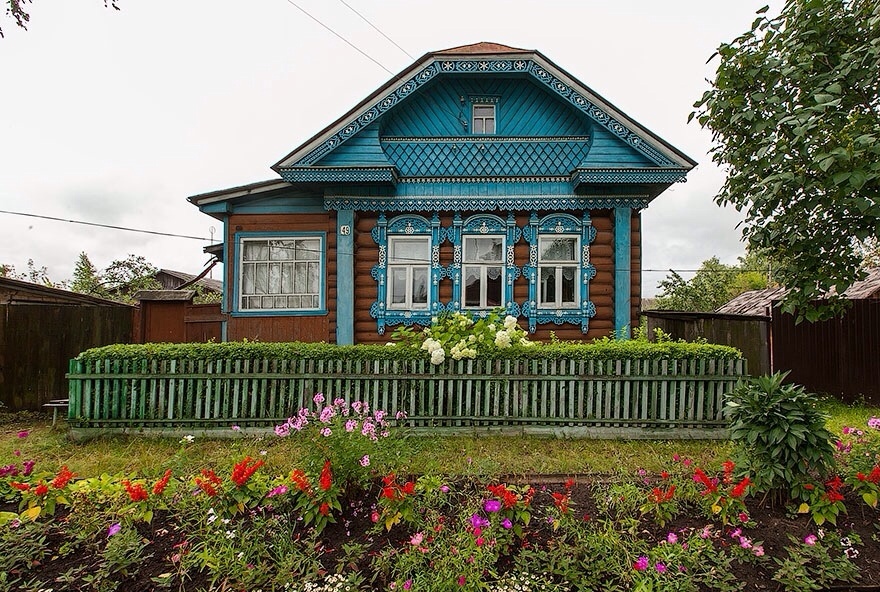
(187, 439)
(437, 356)
(509, 322)
(502, 339)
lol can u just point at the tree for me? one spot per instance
(34, 275)
(795, 120)
(714, 284)
(17, 10)
(85, 276)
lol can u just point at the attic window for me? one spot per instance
(483, 119)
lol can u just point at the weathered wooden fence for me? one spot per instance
(633, 399)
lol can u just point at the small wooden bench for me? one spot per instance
(55, 405)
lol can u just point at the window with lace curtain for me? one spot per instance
(558, 267)
(281, 273)
(483, 271)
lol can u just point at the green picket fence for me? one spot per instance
(617, 398)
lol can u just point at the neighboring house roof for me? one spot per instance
(21, 292)
(172, 280)
(758, 302)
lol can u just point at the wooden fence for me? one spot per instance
(632, 399)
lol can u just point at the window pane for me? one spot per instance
(548, 285)
(255, 251)
(274, 278)
(397, 286)
(558, 249)
(266, 302)
(308, 250)
(484, 110)
(409, 250)
(471, 286)
(420, 288)
(287, 278)
(261, 281)
(493, 287)
(247, 278)
(300, 281)
(295, 302)
(483, 249)
(281, 250)
(490, 126)
(314, 281)
(568, 285)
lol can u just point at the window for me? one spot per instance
(484, 119)
(409, 261)
(281, 273)
(483, 271)
(558, 268)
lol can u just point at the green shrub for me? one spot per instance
(780, 435)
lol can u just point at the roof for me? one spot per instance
(439, 63)
(207, 283)
(20, 292)
(758, 302)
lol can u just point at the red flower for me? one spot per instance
(324, 509)
(740, 488)
(664, 475)
(208, 482)
(569, 484)
(729, 466)
(242, 471)
(298, 477)
(874, 477)
(657, 495)
(834, 496)
(162, 483)
(701, 477)
(409, 488)
(62, 478)
(560, 500)
(41, 489)
(326, 479)
(136, 491)
(507, 497)
(20, 486)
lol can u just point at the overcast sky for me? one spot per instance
(115, 117)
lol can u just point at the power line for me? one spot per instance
(352, 45)
(366, 20)
(156, 232)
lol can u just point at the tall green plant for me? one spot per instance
(780, 435)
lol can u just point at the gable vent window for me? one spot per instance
(484, 119)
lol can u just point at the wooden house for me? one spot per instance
(481, 176)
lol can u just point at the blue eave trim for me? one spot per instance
(233, 302)
(485, 204)
(628, 175)
(340, 175)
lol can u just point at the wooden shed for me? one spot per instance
(480, 177)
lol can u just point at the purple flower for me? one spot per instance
(9, 470)
(114, 529)
(491, 506)
(28, 467)
(23, 434)
(318, 398)
(660, 567)
(407, 585)
(235, 428)
(641, 563)
(478, 521)
(507, 524)
(280, 490)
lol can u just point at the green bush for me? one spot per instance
(780, 435)
(604, 349)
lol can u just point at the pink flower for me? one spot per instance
(350, 425)
(23, 434)
(374, 516)
(660, 567)
(114, 529)
(641, 563)
(318, 398)
(743, 517)
(492, 505)
(235, 428)
(326, 432)
(407, 585)
(706, 532)
(758, 550)
(847, 430)
(874, 423)
(507, 524)
(444, 488)
(810, 539)
(282, 430)
(671, 538)
(280, 490)
(461, 580)
(416, 539)
(365, 460)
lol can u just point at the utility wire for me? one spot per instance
(378, 30)
(104, 225)
(352, 45)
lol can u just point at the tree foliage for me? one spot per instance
(34, 274)
(714, 284)
(119, 281)
(19, 12)
(795, 120)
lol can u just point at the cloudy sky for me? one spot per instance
(115, 117)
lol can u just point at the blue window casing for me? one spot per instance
(484, 225)
(560, 225)
(241, 237)
(409, 225)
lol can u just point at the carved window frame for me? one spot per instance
(484, 225)
(559, 225)
(406, 225)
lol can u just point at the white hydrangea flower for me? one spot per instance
(438, 355)
(502, 339)
(509, 322)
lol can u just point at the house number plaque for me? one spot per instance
(345, 230)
